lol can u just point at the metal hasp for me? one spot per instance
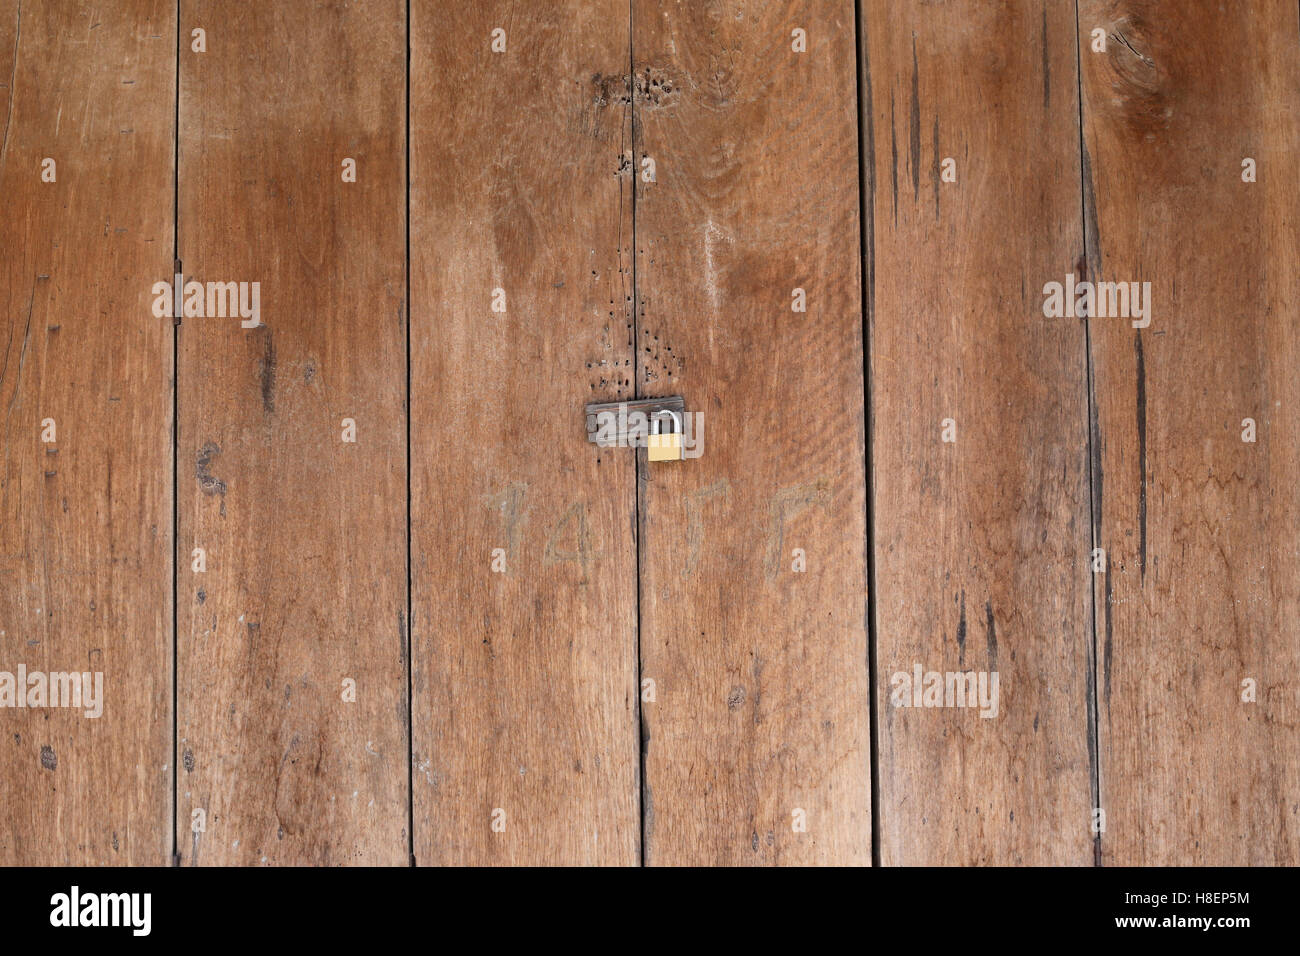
(654, 422)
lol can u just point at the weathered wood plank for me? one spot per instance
(757, 745)
(524, 677)
(981, 544)
(305, 584)
(1202, 591)
(85, 516)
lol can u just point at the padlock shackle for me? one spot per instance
(654, 420)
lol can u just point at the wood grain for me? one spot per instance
(981, 545)
(1200, 526)
(761, 721)
(85, 520)
(306, 547)
(611, 661)
(524, 678)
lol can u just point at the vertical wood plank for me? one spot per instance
(305, 585)
(524, 677)
(85, 519)
(1202, 591)
(981, 545)
(757, 746)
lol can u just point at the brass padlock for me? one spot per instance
(664, 446)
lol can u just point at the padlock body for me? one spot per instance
(664, 447)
